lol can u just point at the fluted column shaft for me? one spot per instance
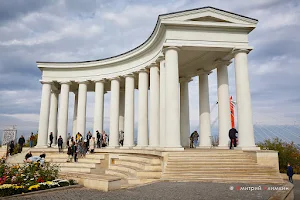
(143, 109)
(75, 114)
(44, 114)
(223, 105)
(243, 97)
(114, 113)
(122, 109)
(184, 112)
(162, 96)
(63, 111)
(129, 111)
(154, 106)
(204, 110)
(81, 110)
(172, 98)
(99, 107)
(53, 116)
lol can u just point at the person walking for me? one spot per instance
(21, 142)
(69, 152)
(51, 138)
(88, 137)
(232, 136)
(60, 143)
(31, 140)
(290, 173)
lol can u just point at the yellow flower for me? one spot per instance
(34, 187)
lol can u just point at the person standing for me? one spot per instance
(21, 142)
(98, 139)
(232, 136)
(88, 137)
(75, 151)
(51, 138)
(11, 148)
(121, 138)
(290, 173)
(60, 143)
(31, 140)
(92, 144)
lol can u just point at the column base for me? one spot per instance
(204, 147)
(40, 147)
(127, 147)
(112, 147)
(140, 147)
(247, 148)
(152, 147)
(170, 149)
(222, 147)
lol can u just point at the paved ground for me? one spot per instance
(162, 190)
(297, 189)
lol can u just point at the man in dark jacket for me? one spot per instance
(98, 139)
(21, 142)
(51, 138)
(60, 143)
(232, 136)
(290, 172)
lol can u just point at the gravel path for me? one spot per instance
(162, 190)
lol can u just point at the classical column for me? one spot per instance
(172, 98)
(162, 94)
(99, 107)
(204, 111)
(53, 116)
(184, 112)
(129, 111)
(154, 106)
(121, 109)
(44, 114)
(243, 98)
(223, 104)
(63, 111)
(75, 114)
(81, 110)
(114, 112)
(143, 109)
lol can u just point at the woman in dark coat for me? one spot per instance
(11, 147)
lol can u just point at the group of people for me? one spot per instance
(30, 159)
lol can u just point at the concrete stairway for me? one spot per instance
(218, 166)
(136, 169)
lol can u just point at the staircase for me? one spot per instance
(136, 169)
(218, 166)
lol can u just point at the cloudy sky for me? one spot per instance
(76, 30)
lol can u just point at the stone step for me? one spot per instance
(221, 170)
(75, 169)
(102, 182)
(207, 161)
(181, 157)
(139, 165)
(227, 180)
(144, 159)
(149, 174)
(74, 164)
(118, 173)
(64, 155)
(193, 175)
(124, 168)
(80, 160)
(212, 158)
(210, 164)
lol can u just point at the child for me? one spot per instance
(290, 172)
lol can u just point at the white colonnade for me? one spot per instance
(168, 115)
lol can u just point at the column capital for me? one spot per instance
(170, 47)
(235, 51)
(153, 64)
(65, 82)
(221, 63)
(202, 72)
(83, 82)
(46, 82)
(185, 79)
(129, 75)
(161, 57)
(143, 70)
(99, 80)
(117, 78)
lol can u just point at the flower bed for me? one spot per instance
(16, 179)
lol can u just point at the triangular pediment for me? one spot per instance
(208, 14)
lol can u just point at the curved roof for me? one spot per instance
(152, 34)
